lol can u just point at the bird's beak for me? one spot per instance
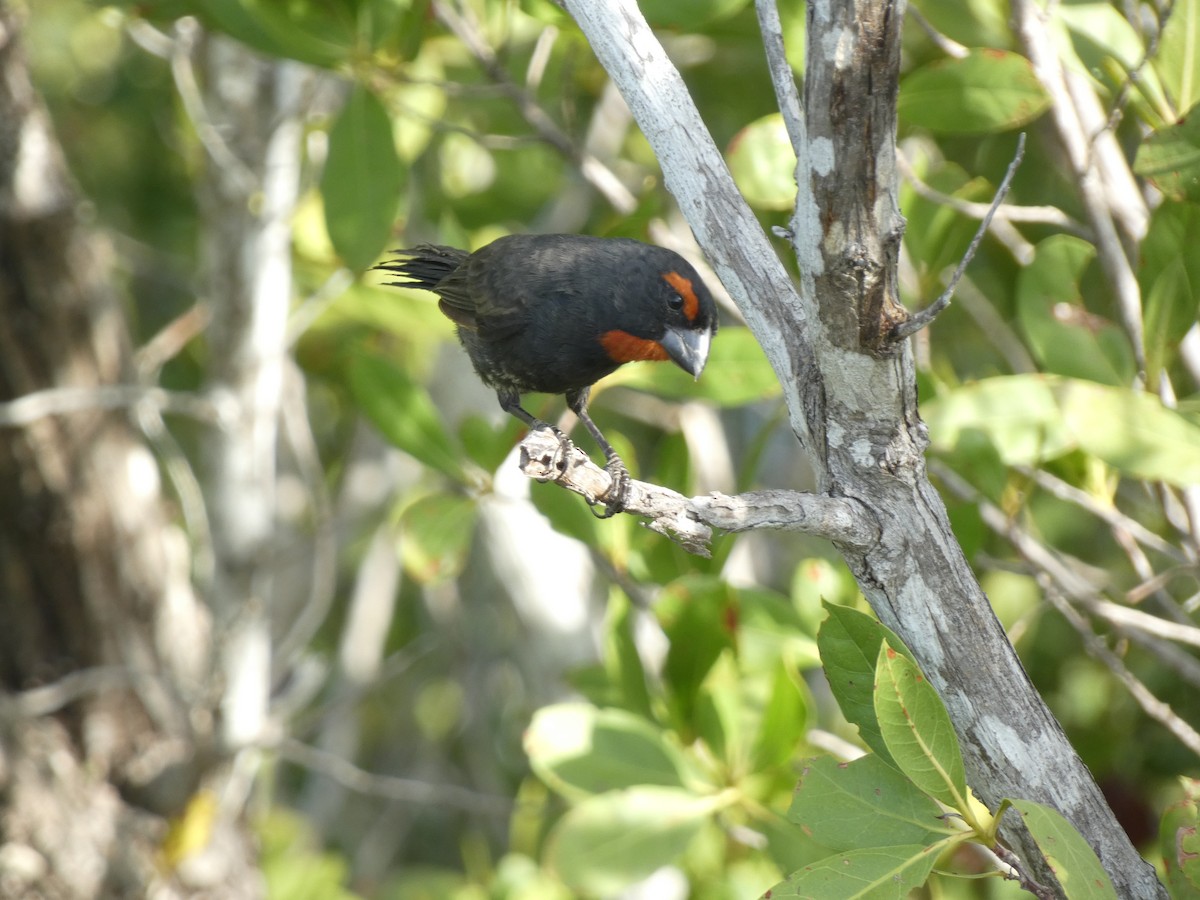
(688, 347)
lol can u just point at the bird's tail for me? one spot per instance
(423, 266)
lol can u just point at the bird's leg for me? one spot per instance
(615, 499)
(510, 402)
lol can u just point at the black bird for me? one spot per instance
(554, 313)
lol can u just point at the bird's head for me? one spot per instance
(668, 313)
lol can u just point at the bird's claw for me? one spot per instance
(618, 491)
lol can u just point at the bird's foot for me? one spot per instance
(618, 491)
(563, 455)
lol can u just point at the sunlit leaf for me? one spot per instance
(917, 729)
(763, 163)
(881, 873)
(849, 642)
(864, 803)
(1170, 158)
(1074, 862)
(579, 750)
(607, 842)
(985, 91)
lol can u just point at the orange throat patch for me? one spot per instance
(623, 347)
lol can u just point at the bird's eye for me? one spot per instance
(675, 301)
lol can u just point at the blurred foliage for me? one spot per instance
(663, 727)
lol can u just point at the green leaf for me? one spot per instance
(1178, 59)
(580, 750)
(737, 374)
(1170, 158)
(1132, 431)
(763, 163)
(864, 803)
(974, 23)
(849, 642)
(622, 660)
(782, 723)
(985, 91)
(1065, 338)
(403, 412)
(362, 179)
(698, 615)
(1019, 414)
(438, 531)
(1179, 840)
(607, 842)
(1170, 279)
(881, 873)
(917, 730)
(304, 31)
(1074, 863)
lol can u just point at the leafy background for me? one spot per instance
(581, 704)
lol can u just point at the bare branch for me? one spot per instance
(390, 787)
(786, 94)
(59, 401)
(926, 316)
(690, 521)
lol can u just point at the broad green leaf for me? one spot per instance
(974, 23)
(438, 531)
(403, 412)
(607, 842)
(781, 723)
(1169, 276)
(1178, 59)
(763, 163)
(361, 183)
(1170, 158)
(864, 803)
(1065, 338)
(916, 727)
(1075, 864)
(881, 873)
(622, 660)
(1132, 431)
(849, 642)
(1179, 841)
(721, 717)
(579, 750)
(815, 580)
(699, 616)
(737, 374)
(1099, 30)
(1019, 415)
(304, 31)
(985, 91)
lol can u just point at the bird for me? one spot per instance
(555, 313)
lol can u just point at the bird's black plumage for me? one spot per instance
(554, 313)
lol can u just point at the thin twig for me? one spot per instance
(29, 408)
(926, 316)
(601, 177)
(390, 787)
(1150, 704)
(1004, 212)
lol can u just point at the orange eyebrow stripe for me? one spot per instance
(691, 305)
(623, 347)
